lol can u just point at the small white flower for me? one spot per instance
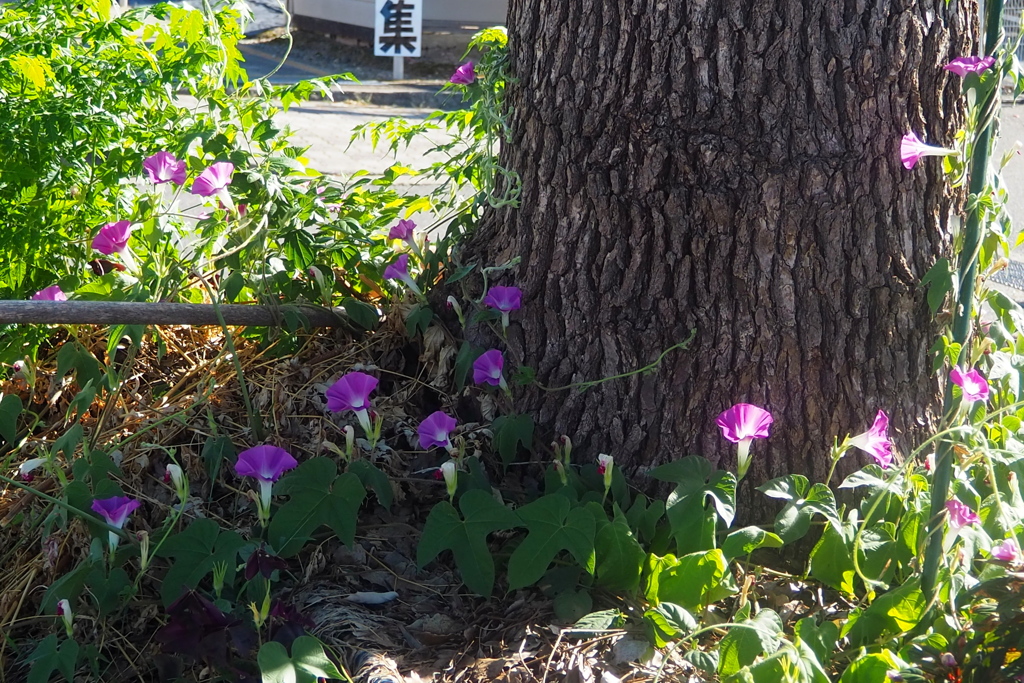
(26, 468)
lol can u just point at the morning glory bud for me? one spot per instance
(451, 478)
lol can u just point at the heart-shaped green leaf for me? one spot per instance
(466, 536)
(553, 527)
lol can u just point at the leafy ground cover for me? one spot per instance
(284, 505)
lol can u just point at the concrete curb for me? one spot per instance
(420, 94)
(398, 94)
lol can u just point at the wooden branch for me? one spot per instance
(135, 313)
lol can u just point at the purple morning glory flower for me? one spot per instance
(266, 464)
(435, 429)
(912, 149)
(115, 511)
(51, 293)
(464, 75)
(352, 392)
(504, 299)
(875, 442)
(974, 386)
(164, 167)
(402, 230)
(399, 270)
(741, 424)
(960, 515)
(214, 179)
(487, 369)
(113, 238)
(962, 66)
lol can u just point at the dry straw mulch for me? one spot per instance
(180, 392)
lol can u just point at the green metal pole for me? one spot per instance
(963, 314)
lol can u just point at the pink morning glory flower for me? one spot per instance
(352, 392)
(875, 442)
(960, 515)
(464, 75)
(214, 179)
(435, 429)
(505, 300)
(112, 238)
(266, 464)
(164, 167)
(974, 386)
(741, 424)
(912, 149)
(1007, 551)
(962, 66)
(115, 511)
(51, 293)
(487, 369)
(399, 270)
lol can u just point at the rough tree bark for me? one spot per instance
(730, 166)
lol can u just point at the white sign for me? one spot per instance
(398, 28)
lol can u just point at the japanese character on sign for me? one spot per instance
(398, 28)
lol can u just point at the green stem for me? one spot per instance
(650, 366)
(962, 315)
(70, 508)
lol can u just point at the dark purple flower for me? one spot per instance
(198, 629)
(164, 167)
(214, 179)
(262, 562)
(487, 368)
(435, 429)
(464, 75)
(51, 293)
(112, 238)
(962, 66)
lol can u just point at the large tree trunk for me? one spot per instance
(730, 166)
